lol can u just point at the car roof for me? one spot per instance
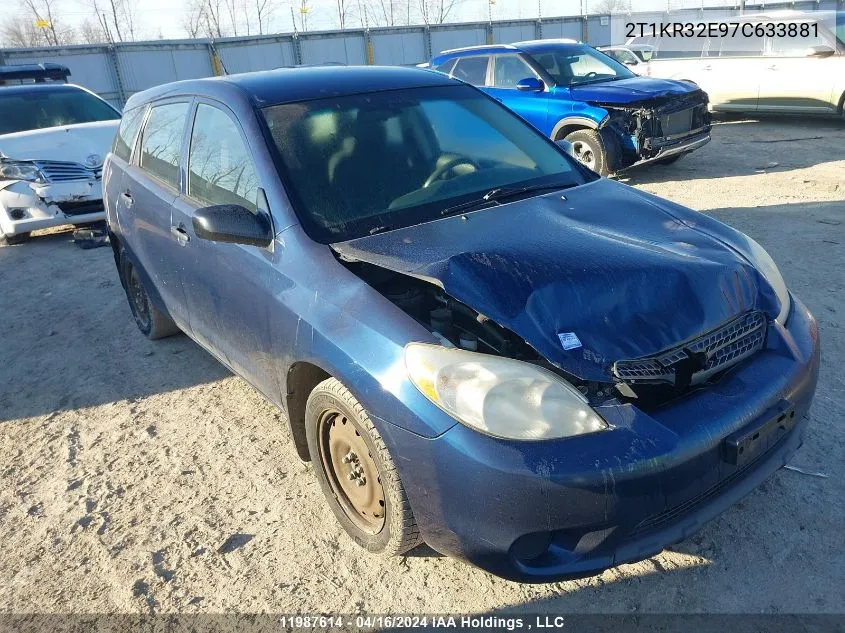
(288, 85)
(39, 87)
(527, 46)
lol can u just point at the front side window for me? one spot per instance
(42, 107)
(472, 70)
(220, 168)
(580, 64)
(359, 164)
(623, 56)
(162, 141)
(510, 70)
(737, 46)
(798, 46)
(125, 136)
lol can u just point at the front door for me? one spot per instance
(730, 73)
(226, 285)
(506, 72)
(795, 80)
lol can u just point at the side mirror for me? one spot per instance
(530, 84)
(629, 62)
(820, 51)
(234, 224)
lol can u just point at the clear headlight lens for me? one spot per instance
(766, 265)
(19, 170)
(500, 396)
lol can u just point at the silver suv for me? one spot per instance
(748, 72)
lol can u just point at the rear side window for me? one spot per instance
(220, 168)
(162, 141)
(679, 47)
(125, 136)
(472, 70)
(738, 46)
(446, 67)
(797, 46)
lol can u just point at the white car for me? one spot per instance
(54, 138)
(635, 60)
(784, 62)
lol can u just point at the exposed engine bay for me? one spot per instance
(456, 324)
(654, 124)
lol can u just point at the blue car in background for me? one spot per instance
(613, 118)
(478, 342)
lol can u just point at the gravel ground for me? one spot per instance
(141, 476)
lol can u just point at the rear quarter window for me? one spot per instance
(125, 137)
(472, 70)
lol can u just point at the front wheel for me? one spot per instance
(357, 473)
(589, 149)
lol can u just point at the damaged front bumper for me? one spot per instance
(655, 130)
(29, 206)
(545, 511)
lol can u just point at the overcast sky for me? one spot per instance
(164, 18)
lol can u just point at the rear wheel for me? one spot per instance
(589, 149)
(357, 473)
(152, 322)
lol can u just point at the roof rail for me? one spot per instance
(479, 47)
(39, 73)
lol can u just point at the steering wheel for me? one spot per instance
(591, 74)
(446, 167)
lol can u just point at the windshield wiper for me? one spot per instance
(499, 195)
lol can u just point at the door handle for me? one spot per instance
(707, 67)
(180, 234)
(772, 67)
(127, 199)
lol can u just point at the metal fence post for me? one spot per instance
(368, 41)
(297, 49)
(489, 30)
(427, 43)
(538, 29)
(118, 79)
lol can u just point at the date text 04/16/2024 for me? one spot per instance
(721, 29)
(474, 622)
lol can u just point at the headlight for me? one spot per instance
(766, 265)
(500, 396)
(19, 170)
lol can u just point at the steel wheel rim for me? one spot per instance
(352, 472)
(584, 153)
(140, 301)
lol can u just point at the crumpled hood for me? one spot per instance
(632, 90)
(74, 143)
(629, 274)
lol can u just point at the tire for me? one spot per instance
(11, 240)
(335, 422)
(669, 160)
(152, 322)
(589, 150)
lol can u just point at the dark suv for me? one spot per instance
(478, 342)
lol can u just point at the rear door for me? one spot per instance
(506, 71)
(150, 185)
(226, 285)
(118, 162)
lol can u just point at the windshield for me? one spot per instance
(42, 108)
(360, 164)
(576, 65)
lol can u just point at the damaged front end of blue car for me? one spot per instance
(621, 370)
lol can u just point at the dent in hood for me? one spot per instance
(628, 273)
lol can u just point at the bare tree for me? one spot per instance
(436, 11)
(304, 9)
(194, 19)
(263, 12)
(213, 19)
(231, 7)
(612, 6)
(91, 32)
(17, 33)
(342, 12)
(44, 12)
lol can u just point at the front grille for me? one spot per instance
(81, 207)
(703, 356)
(676, 122)
(61, 171)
